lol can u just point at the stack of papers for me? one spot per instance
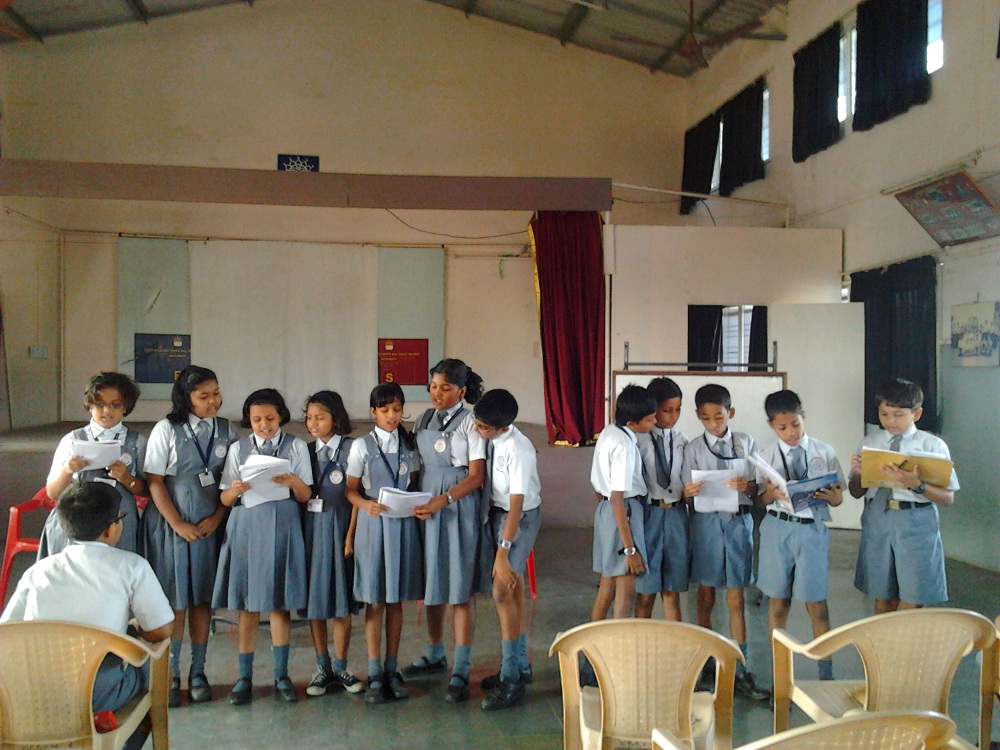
(934, 468)
(400, 502)
(801, 492)
(714, 495)
(100, 454)
(259, 472)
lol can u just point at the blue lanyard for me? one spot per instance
(393, 474)
(733, 457)
(205, 455)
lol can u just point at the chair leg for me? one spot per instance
(532, 581)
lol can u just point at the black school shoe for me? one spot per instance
(374, 690)
(504, 695)
(747, 686)
(199, 691)
(174, 696)
(242, 692)
(424, 666)
(489, 683)
(458, 693)
(394, 687)
(284, 690)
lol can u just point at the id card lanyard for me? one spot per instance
(206, 477)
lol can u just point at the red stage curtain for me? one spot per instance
(569, 264)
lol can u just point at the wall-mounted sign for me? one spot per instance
(159, 357)
(403, 361)
(297, 163)
(953, 210)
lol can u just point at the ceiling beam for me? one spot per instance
(147, 182)
(139, 10)
(575, 16)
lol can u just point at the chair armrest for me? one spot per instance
(818, 648)
(135, 651)
(664, 739)
(787, 640)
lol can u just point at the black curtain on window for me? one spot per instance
(758, 339)
(704, 335)
(900, 331)
(815, 86)
(700, 145)
(742, 118)
(891, 60)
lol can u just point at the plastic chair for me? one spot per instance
(47, 671)
(15, 542)
(530, 570)
(646, 670)
(911, 730)
(909, 658)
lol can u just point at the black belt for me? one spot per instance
(790, 517)
(904, 504)
(640, 498)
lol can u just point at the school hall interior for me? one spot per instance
(294, 289)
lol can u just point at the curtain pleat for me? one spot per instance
(700, 144)
(742, 123)
(815, 86)
(569, 263)
(704, 335)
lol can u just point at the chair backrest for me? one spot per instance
(882, 730)
(910, 656)
(646, 670)
(47, 674)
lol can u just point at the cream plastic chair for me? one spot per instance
(47, 671)
(911, 730)
(647, 671)
(909, 658)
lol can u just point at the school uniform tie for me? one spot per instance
(798, 454)
(267, 448)
(662, 474)
(884, 494)
(203, 432)
(442, 416)
(721, 448)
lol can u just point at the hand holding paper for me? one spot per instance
(400, 503)
(260, 472)
(715, 493)
(99, 454)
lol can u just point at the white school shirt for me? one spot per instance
(701, 452)
(92, 584)
(332, 445)
(912, 439)
(161, 450)
(617, 465)
(820, 459)
(298, 457)
(358, 460)
(646, 447)
(64, 451)
(515, 470)
(466, 444)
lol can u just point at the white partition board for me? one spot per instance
(748, 391)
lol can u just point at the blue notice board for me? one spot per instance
(159, 357)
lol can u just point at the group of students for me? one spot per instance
(649, 538)
(329, 547)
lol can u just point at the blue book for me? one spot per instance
(803, 491)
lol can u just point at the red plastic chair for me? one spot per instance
(15, 543)
(532, 583)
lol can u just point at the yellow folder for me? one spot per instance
(934, 469)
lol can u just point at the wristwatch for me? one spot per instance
(450, 498)
(629, 551)
(920, 489)
(505, 544)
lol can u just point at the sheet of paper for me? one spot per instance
(400, 502)
(259, 472)
(803, 491)
(100, 454)
(769, 472)
(714, 495)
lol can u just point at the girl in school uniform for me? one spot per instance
(388, 553)
(262, 564)
(184, 459)
(110, 397)
(326, 526)
(453, 456)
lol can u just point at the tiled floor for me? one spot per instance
(566, 591)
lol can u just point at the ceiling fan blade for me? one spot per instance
(723, 39)
(635, 40)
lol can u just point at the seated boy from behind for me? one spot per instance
(794, 544)
(92, 583)
(616, 475)
(901, 558)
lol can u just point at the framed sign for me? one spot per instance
(159, 357)
(403, 361)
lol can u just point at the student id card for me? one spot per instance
(206, 478)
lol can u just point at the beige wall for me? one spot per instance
(30, 305)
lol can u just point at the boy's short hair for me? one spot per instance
(633, 404)
(782, 402)
(122, 383)
(713, 393)
(901, 393)
(86, 510)
(496, 408)
(663, 389)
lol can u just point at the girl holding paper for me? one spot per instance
(110, 397)
(388, 553)
(262, 564)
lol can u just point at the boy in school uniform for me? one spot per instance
(514, 493)
(92, 583)
(616, 475)
(794, 544)
(722, 543)
(901, 558)
(665, 515)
